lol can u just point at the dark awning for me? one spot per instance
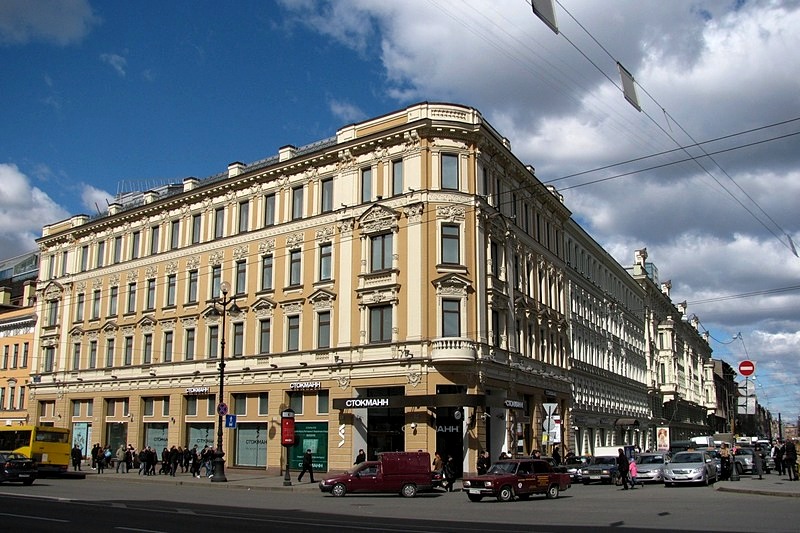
(427, 400)
(627, 422)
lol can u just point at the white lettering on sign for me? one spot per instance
(197, 390)
(514, 404)
(305, 385)
(447, 429)
(367, 402)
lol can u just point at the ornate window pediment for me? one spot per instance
(452, 285)
(147, 324)
(378, 219)
(293, 306)
(109, 328)
(322, 299)
(264, 307)
(53, 291)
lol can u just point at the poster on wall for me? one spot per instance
(81, 435)
(662, 439)
(313, 436)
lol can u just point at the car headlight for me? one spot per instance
(467, 483)
(586, 472)
(487, 484)
(606, 471)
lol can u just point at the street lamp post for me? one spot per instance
(219, 455)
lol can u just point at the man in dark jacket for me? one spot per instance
(308, 459)
(790, 459)
(483, 463)
(77, 457)
(623, 466)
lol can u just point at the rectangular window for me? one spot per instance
(117, 250)
(172, 282)
(64, 262)
(451, 318)
(381, 252)
(244, 216)
(327, 196)
(296, 402)
(451, 240)
(191, 405)
(150, 300)
(136, 238)
(297, 203)
(188, 348)
(219, 222)
(263, 403)
(15, 358)
(366, 185)
(80, 302)
(52, 313)
(269, 210)
(165, 406)
(213, 341)
(294, 268)
(174, 234)
(96, 304)
(113, 298)
(76, 408)
(241, 277)
(49, 358)
(109, 353)
(51, 267)
(149, 407)
(128, 355)
(216, 280)
(325, 261)
(101, 253)
(494, 257)
(211, 405)
(154, 236)
(264, 335)
(266, 272)
(76, 356)
(240, 404)
(293, 333)
(196, 228)
(84, 258)
(168, 340)
(238, 339)
(92, 354)
(380, 324)
(131, 298)
(324, 330)
(322, 402)
(449, 171)
(397, 177)
(191, 290)
(25, 348)
(147, 348)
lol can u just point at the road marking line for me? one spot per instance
(34, 517)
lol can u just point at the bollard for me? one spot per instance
(734, 472)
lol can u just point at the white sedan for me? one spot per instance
(690, 467)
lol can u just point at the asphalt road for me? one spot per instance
(94, 505)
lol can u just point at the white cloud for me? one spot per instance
(23, 208)
(62, 22)
(345, 111)
(94, 199)
(118, 62)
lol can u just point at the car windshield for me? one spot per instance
(604, 460)
(502, 468)
(12, 456)
(687, 457)
(651, 459)
(744, 451)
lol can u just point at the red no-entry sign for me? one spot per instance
(747, 368)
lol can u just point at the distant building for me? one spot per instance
(16, 345)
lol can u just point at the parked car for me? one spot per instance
(691, 467)
(650, 466)
(601, 469)
(516, 477)
(552, 462)
(17, 467)
(405, 473)
(744, 461)
(574, 465)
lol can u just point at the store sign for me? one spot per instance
(514, 404)
(366, 402)
(305, 385)
(194, 391)
(448, 429)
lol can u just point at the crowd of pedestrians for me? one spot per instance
(147, 460)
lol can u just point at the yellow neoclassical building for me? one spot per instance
(400, 286)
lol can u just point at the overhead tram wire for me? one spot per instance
(788, 245)
(744, 295)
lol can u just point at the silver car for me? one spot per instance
(650, 466)
(691, 467)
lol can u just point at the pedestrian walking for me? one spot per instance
(758, 462)
(623, 468)
(77, 456)
(483, 463)
(633, 473)
(438, 463)
(449, 473)
(725, 462)
(556, 456)
(308, 466)
(120, 458)
(778, 451)
(790, 459)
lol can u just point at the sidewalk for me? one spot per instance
(252, 479)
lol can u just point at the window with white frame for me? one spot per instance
(244, 216)
(325, 261)
(269, 210)
(238, 339)
(169, 338)
(174, 234)
(241, 277)
(147, 348)
(293, 333)
(451, 318)
(297, 203)
(213, 341)
(196, 228)
(397, 177)
(266, 272)
(366, 185)
(295, 263)
(219, 222)
(326, 202)
(451, 244)
(264, 335)
(324, 329)
(188, 347)
(172, 282)
(380, 324)
(380, 252)
(449, 171)
(191, 289)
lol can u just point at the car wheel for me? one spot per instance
(409, 490)
(705, 480)
(506, 494)
(667, 484)
(28, 482)
(474, 497)
(552, 492)
(339, 489)
(585, 482)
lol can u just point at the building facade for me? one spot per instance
(16, 345)
(400, 286)
(610, 399)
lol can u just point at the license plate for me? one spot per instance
(474, 491)
(24, 475)
(594, 477)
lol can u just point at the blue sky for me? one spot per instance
(99, 95)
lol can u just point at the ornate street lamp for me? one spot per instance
(222, 302)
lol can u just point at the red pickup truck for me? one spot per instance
(404, 473)
(516, 478)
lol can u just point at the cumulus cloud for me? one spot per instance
(94, 199)
(345, 111)
(62, 22)
(23, 207)
(116, 61)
